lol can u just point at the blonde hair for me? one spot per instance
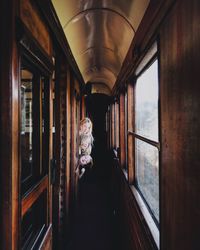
(86, 120)
(85, 146)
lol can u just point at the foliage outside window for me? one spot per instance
(147, 138)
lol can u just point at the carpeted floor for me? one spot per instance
(95, 226)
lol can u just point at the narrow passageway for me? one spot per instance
(95, 226)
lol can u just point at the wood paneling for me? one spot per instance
(68, 128)
(130, 147)
(31, 18)
(75, 119)
(122, 130)
(117, 124)
(113, 125)
(180, 123)
(9, 175)
(29, 200)
(60, 152)
(50, 15)
(134, 231)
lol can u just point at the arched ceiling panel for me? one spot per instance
(100, 33)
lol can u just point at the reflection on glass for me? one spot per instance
(26, 124)
(32, 227)
(147, 103)
(147, 173)
(45, 143)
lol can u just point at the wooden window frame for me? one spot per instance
(122, 130)
(35, 58)
(147, 60)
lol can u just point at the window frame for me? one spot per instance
(34, 58)
(145, 62)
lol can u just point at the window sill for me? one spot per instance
(147, 216)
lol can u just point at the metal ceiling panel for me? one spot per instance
(100, 33)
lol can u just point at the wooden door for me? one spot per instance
(35, 155)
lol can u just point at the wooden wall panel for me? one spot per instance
(180, 123)
(9, 126)
(75, 119)
(60, 153)
(113, 125)
(117, 124)
(130, 136)
(134, 231)
(122, 130)
(68, 153)
(31, 18)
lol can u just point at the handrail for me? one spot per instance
(153, 143)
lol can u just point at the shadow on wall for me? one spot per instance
(97, 106)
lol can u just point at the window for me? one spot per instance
(147, 138)
(34, 127)
(34, 154)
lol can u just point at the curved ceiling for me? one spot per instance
(99, 33)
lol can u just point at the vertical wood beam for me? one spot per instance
(117, 124)
(9, 127)
(68, 146)
(130, 136)
(180, 123)
(82, 107)
(122, 130)
(113, 124)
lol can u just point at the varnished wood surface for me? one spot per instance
(60, 151)
(116, 124)
(9, 175)
(75, 119)
(180, 123)
(113, 140)
(154, 15)
(130, 148)
(134, 232)
(122, 130)
(32, 196)
(31, 18)
(48, 11)
(68, 148)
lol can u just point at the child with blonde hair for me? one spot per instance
(85, 146)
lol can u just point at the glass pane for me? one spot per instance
(26, 125)
(147, 103)
(32, 228)
(147, 174)
(45, 126)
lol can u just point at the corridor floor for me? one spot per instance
(95, 227)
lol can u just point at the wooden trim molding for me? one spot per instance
(33, 49)
(9, 126)
(32, 196)
(130, 146)
(47, 9)
(144, 36)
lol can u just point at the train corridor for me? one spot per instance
(132, 68)
(95, 225)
